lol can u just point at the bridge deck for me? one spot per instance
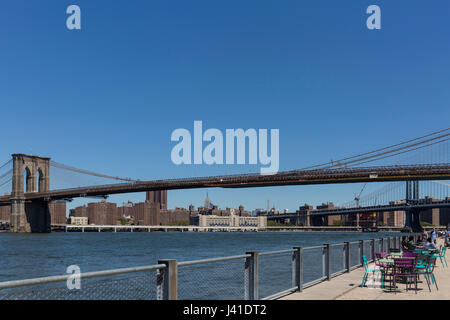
(295, 177)
(346, 287)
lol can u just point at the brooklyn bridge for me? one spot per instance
(427, 160)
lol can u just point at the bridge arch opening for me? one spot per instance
(41, 180)
(28, 180)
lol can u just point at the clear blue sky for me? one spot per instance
(107, 97)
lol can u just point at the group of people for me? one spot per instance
(423, 241)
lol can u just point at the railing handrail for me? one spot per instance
(268, 253)
(211, 260)
(314, 247)
(51, 279)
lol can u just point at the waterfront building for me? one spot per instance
(159, 196)
(392, 218)
(146, 213)
(329, 220)
(79, 221)
(103, 213)
(4, 213)
(430, 215)
(230, 221)
(79, 211)
(174, 216)
(57, 211)
(304, 218)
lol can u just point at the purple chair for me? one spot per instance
(378, 256)
(404, 268)
(409, 254)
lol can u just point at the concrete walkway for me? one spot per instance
(347, 287)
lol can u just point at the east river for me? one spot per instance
(26, 256)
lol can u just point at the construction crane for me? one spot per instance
(357, 197)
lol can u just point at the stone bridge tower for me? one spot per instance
(30, 174)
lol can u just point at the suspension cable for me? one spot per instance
(63, 166)
(395, 154)
(6, 174)
(6, 163)
(376, 150)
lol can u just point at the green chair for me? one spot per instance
(427, 271)
(441, 255)
(367, 270)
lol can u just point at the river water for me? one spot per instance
(26, 256)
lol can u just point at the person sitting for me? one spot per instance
(410, 245)
(419, 242)
(430, 244)
(404, 242)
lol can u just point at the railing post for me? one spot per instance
(382, 244)
(166, 280)
(347, 256)
(251, 276)
(372, 244)
(388, 244)
(361, 251)
(326, 261)
(297, 268)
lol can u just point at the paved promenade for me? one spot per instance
(347, 287)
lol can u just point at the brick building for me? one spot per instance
(103, 213)
(329, 220)
(304, 212)
(168, 217)
(147, 214)
(4, 213)
(159, 196)
(57, 212)
(392, 218)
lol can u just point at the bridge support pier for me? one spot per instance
(29, 216)
(18, 218)
(412, 217)
(415, 223)
(412, 223)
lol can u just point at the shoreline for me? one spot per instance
(277, 229)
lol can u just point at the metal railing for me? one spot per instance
(251, 276)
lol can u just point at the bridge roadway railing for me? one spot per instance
(250, 276)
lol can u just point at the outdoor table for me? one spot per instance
(426, 251)
(390, 261)
(386, 261)
(389, 264)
